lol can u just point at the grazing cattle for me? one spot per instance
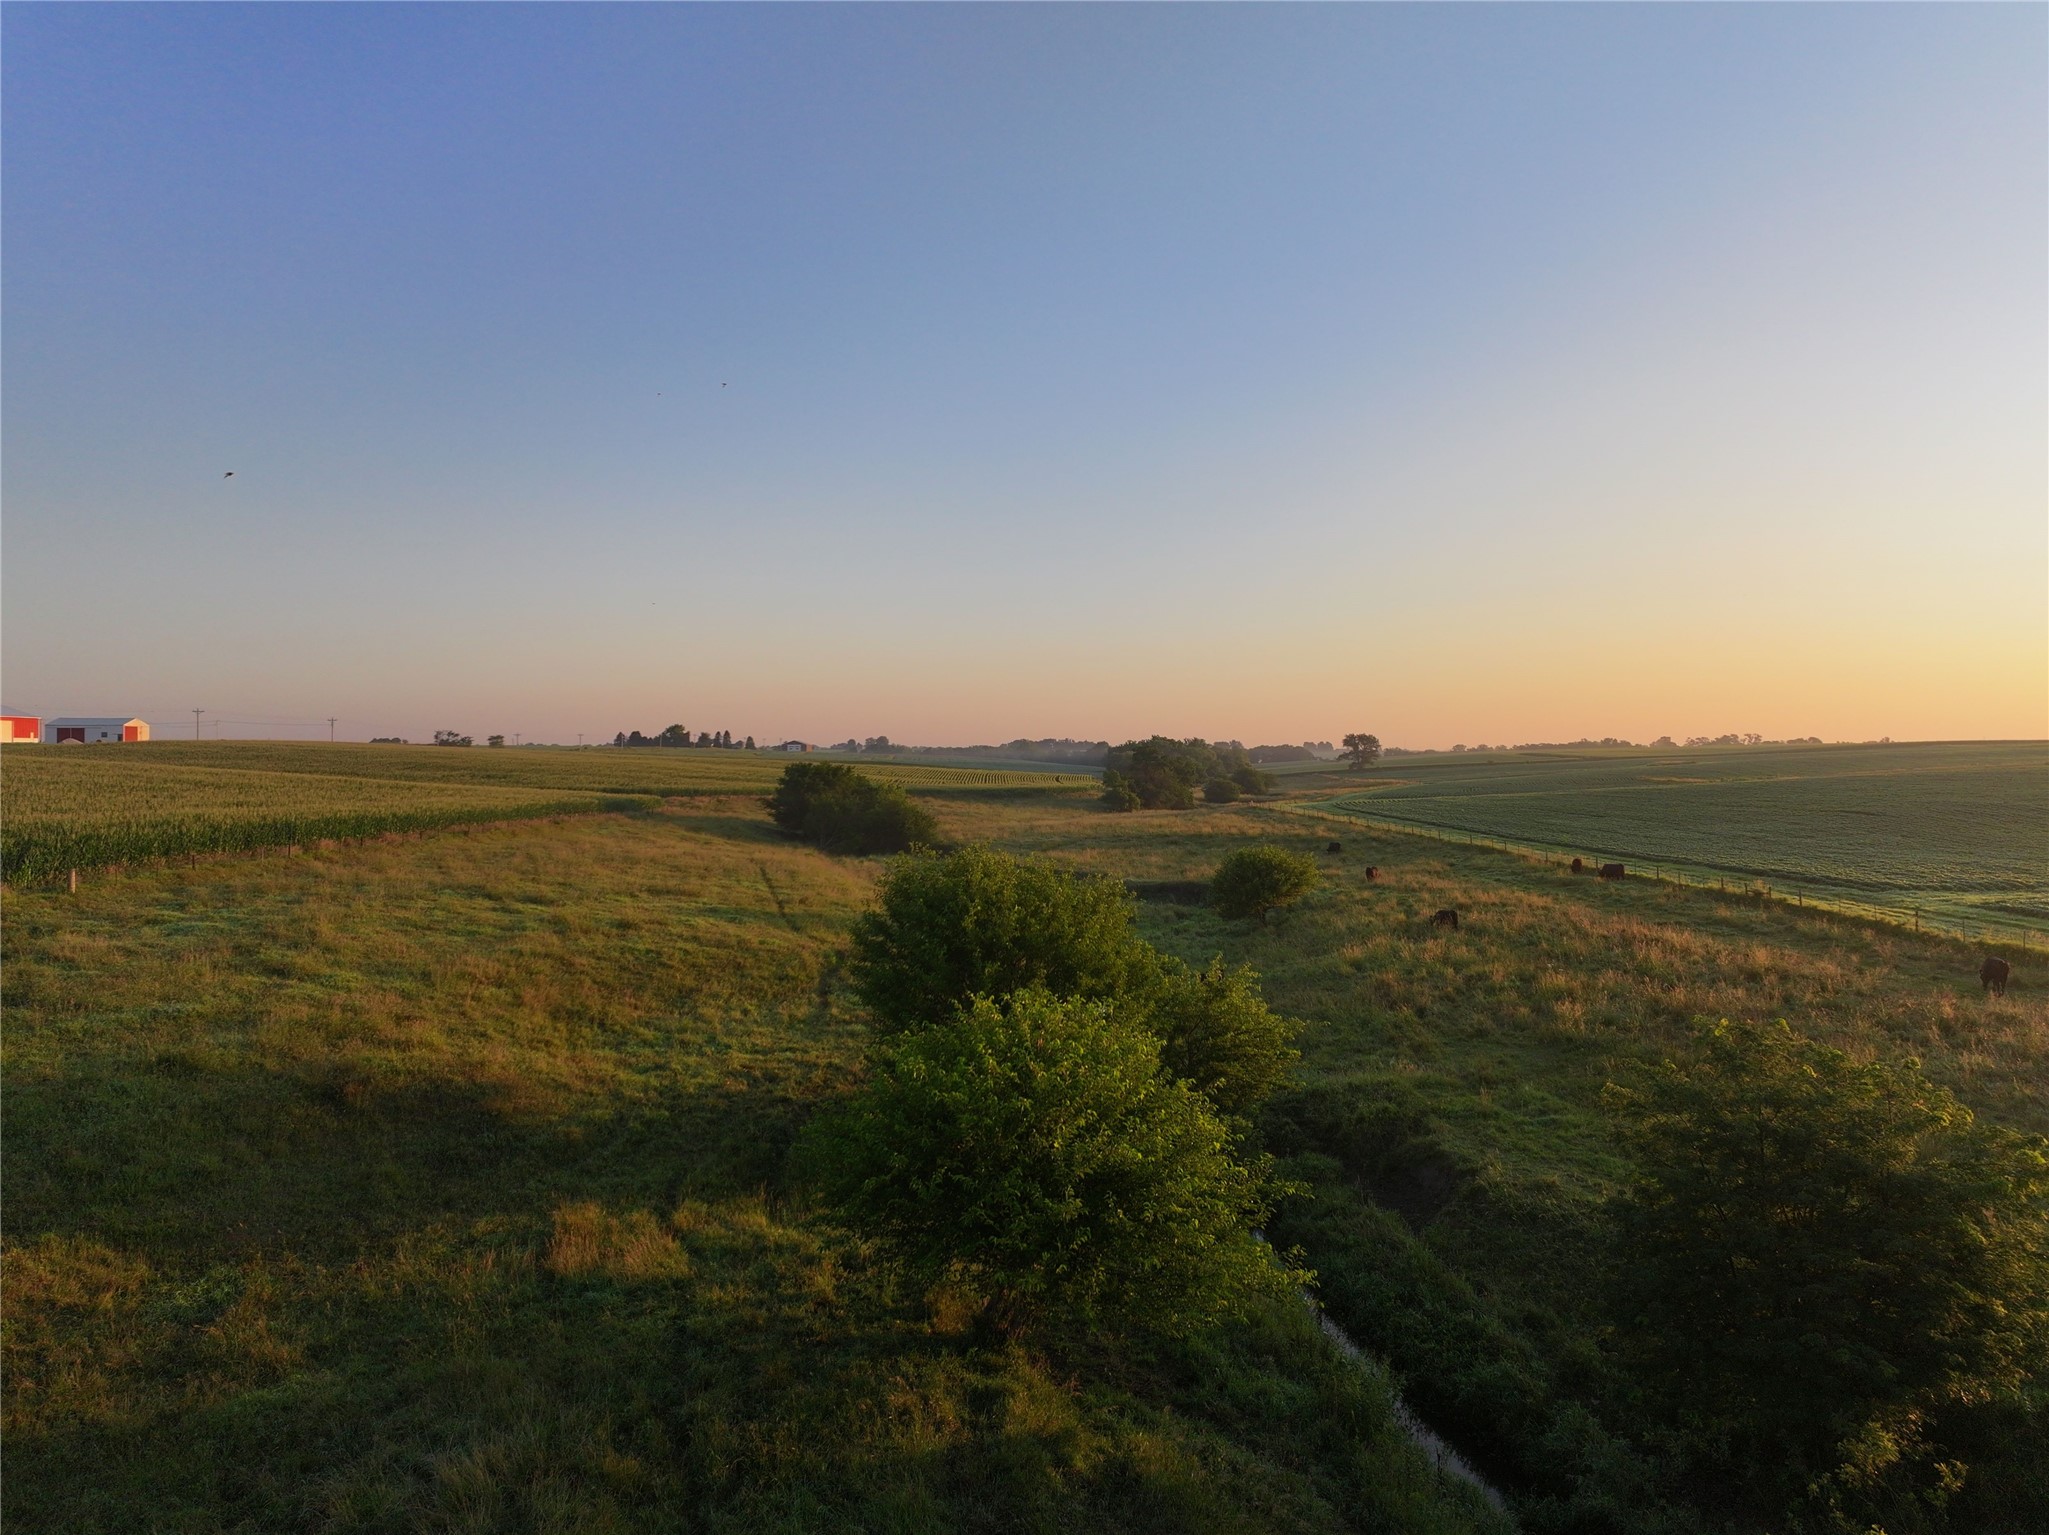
(1611, 871)
(1992, 976)
(1446, 918)
(1335, 847)
(1579, 866)
(1373, 871)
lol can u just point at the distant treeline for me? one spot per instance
(1078, 753)
(1732, 739)
(678, 735)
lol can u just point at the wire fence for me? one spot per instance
(1909, 915)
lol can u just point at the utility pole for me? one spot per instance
(515, 738)
(579, 738)
(195, 722)
(330, 728)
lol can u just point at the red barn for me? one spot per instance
(21, 727)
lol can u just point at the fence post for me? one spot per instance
(74, 882)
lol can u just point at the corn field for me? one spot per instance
(80, 808)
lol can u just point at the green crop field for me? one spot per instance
(85, 809)
(671, 773)
(1957, 834)
(66, 808)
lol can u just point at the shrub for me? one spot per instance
(1252, 780)
(1218, 1034)
(1818, 1255)
(1117, 791)
(1220, 791)
(1256, 880)
(977, 921)
(845, 812)
(1033, 1155)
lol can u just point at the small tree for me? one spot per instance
(1252, 780)
(1818, 1255)
(450, 738)
(494, 740)
(1218, 1035)
(1032, 1155)
(1220, 791)
(1362, 751)
(844, 812)
(980, 922)
(1117, 791)
(1256, 880)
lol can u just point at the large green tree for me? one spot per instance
(980, 922)
(1032, 1155)
(1818, 1257)
(846, 812)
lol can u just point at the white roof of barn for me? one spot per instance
(95, 721)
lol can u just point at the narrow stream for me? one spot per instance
(1441, 1455)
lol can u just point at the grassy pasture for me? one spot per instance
(1448, 1113)
(1958, 833)
(441, 1185)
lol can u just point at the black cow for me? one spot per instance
(1611, 871)
(1373, 871)
(1992, 976)
(1579, 866)
(1335, 847)
(1446, 918)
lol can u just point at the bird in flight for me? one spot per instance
(229, 475)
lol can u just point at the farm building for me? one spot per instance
(792, 746)
(90, 731)
(20, 727)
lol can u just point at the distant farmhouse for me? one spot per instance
(92, 731)
(792, 746)
(20, 727)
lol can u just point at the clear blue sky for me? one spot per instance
(1461, 372)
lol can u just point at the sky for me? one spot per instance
(958, 373)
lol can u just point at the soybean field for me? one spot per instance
(1949, 834)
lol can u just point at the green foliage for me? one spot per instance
(979, 922)
(846, 812)
(1362, 750)
(1117, 791)
(1252, 780)
(1033, 1156)
(1217, 1033)
(1163, 772)
(1820, 1255)
(1220, 791)
(1256, 880)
